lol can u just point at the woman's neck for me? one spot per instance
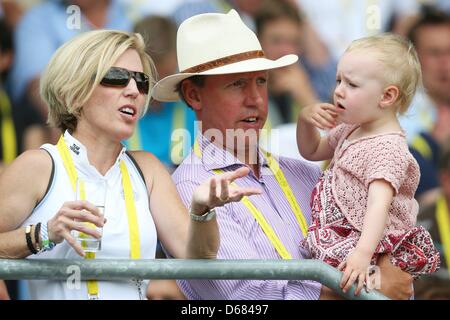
(102, 152)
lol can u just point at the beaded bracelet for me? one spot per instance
(47, 244)
(28, 239)
(37, 229)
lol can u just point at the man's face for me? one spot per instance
(433, 48)
(232, 101)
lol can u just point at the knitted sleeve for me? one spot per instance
(335, 134)
(387, 159)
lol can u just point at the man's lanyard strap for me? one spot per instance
(259, 217)
(135, 250)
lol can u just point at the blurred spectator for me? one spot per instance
(246, 9)
(427, 124)
(16, 134)
(18, 131)
(431, 36)
(340, 22)
(8, 133)
(44, 28)
(167, 129)
(443, 5)
(436, 219)
(137, 9)
(11, 11)
(189, 8)
(279, 29)
(282, 31)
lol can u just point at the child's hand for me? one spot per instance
(355, 267)
(321, 115)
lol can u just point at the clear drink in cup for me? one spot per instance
(94, 191)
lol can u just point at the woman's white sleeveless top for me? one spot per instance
(115, 239)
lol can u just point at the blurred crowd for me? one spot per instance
(317, 30)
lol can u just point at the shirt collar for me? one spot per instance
(80, 159)
(214, 157)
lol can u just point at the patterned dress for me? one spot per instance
(331, 238)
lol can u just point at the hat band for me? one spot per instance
(224, 61)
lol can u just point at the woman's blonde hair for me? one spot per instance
(402, 64)
(79, 65)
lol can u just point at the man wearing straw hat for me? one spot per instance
(223, 78)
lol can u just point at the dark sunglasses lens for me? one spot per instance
(143, 87)
(142, 82)
(116, 77)
(121, 77)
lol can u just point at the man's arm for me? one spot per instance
(396, 284)
(235, 243)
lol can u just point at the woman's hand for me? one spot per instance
(217, 191)
(320, 115)
(355, 269)
(72, 216)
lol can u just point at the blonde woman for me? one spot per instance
(97, 86)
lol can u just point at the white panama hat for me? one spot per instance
(212, 44)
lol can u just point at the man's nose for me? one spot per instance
(254, 95)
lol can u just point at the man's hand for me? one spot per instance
(328, 294)
(218, 191)
(395, 283)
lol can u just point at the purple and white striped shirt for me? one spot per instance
(241, 237)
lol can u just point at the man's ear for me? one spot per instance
(191, 94)
(390, 96)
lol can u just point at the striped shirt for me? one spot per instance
(241, 237)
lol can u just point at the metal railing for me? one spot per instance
(61, 269)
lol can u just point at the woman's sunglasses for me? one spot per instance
(120, 77)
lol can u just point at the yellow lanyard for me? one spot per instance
(443, 221)
(135, 249)
(178, 122)
(421, 145)
(289, 194)
(9, 142)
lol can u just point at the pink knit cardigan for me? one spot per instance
(357, 163)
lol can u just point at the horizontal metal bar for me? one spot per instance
(61, 269)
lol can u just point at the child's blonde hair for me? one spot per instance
(402, 64)
(79, 65)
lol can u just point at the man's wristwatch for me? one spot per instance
(204, 217)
